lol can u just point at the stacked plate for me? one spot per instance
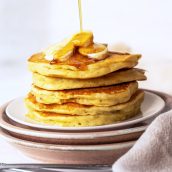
(78, 145)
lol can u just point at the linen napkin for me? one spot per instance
(153, 151)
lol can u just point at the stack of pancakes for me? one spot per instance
(81, 91)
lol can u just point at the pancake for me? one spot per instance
(51, 118)
(101, 96)
(54, 83)
(78, 109)
(82, 67)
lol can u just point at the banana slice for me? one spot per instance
(65, 49)
(60, 51)
(95, 51)
(83, 39)
(64, 52)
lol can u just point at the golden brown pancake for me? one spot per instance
(100, 96)
(129, 110)
(82, 67)
(54, 83)
(78, 109)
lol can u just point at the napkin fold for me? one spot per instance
(153, 151)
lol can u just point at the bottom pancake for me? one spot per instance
(85, 120)
(78, 109)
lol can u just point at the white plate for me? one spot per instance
(150, 107)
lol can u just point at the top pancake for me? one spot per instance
(82, 67)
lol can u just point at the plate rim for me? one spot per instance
(100, 147)
(64, 135)
(114, 126)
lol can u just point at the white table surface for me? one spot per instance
(16, 81)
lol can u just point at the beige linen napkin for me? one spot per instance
(153, 151)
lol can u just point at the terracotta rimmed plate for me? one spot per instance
(152, 105)
(70, 154)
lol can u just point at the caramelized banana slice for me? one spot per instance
(60, 51)
(83, 39)
(64, 52)
(65, 49)
(96, 51)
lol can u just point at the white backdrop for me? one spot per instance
(28, 26)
